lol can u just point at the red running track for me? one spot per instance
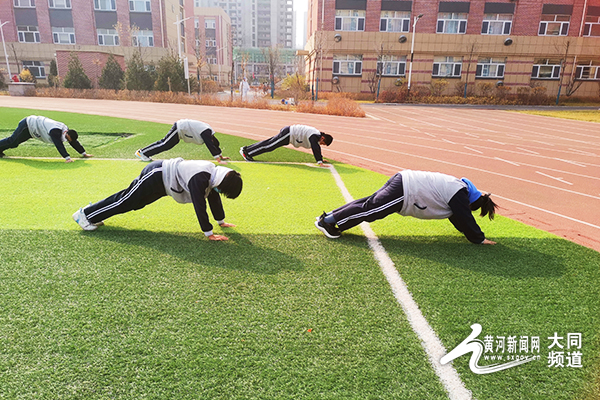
(543, 171)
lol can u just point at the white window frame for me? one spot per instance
(107, 37)
(211, 60)
(140, 6)
(446, 21)
(490, 68)
(24, 3)
(63, 35)
(591, 71)
(36, 65)
(105, 5)
(394, 21)
(592, 23)
(540, 66)
(496, 24)
(210, 24)
(447, 67)
(32, 31)
(347, 64)
(349, 20)
(143, 38)
(210, 43)
(390, 65)
(59, 4)
(561, 22)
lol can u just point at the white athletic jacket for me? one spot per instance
(189, 130)
(40, 127)
(300, 134)
(427, 194)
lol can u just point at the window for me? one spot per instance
(211, 43)
(28, 34)
(108, 37)
(490, 68)
(496, 24)
(59, 3)
(139, 5)
(349, 20)
(144, 38)
(63, 35)
(394, 21)
(449, 67)
(24, 3)
(211, 60)
(554, 25)
(389, 65)
(209, 23)
(452, 23)
(347, 64)
(545, 69)
(36, 68)
(588, 71)
(105, 5)
(592, 26)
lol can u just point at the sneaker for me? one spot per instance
(81, 219)
(244, 153)
(328, 229)
(141, 156)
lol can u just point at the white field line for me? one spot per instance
(530, 151)
(476, 151)
(432, 344)
(506, 161)
(548, 211)
(571, 162)
(553, 177)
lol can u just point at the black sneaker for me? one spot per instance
(244, 153)
(328, 229)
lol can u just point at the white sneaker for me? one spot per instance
(81, 219)
(141, 156)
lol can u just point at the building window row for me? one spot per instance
(451, 67)
(108, 37)
(456, 23)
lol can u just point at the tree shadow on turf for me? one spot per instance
(510, 258)
(254, 254)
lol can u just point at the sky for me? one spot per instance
(300, 6)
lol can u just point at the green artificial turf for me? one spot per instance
(579, 115)
(146, 307)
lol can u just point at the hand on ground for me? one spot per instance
(217, 238)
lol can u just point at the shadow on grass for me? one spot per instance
(48, 165)
(256, 254)
(510, 258)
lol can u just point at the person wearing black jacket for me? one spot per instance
(186, 181)
(46, 130)
(296, 135)
(190, 131)
(419, 194)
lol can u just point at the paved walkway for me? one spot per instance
(542, 171)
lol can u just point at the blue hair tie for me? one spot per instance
(474, 193)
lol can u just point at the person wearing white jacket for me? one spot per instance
(47, 130)
(296, 135)
(418, 194)
(185, 181)
(188, 130)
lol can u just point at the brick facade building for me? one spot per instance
(38, 31)
(514, 43)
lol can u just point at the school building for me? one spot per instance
(514, 43)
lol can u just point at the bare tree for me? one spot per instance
(563, 63)
(272, 55)
(200, 53)
(16, 54)
(472, 50)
